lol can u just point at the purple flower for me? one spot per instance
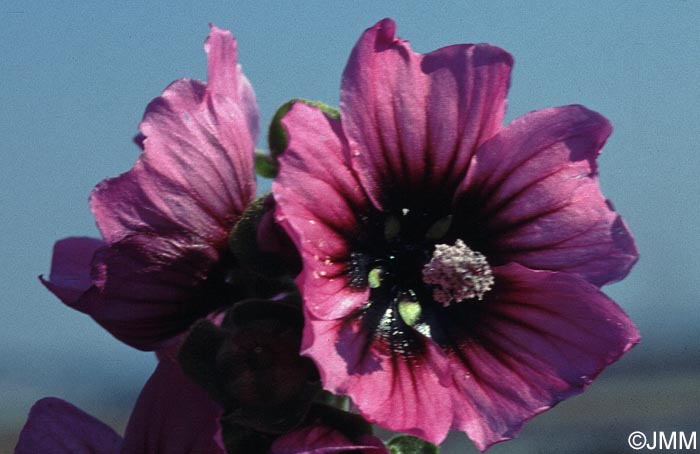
(451, 266)
(166, 222)
(172, 415)
(248, 360)
(59, 427)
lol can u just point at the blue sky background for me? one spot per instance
(75, 78)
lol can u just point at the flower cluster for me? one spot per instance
(418, 265)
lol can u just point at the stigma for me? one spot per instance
(456, 273)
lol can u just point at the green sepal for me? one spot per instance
(277, 136)
(265, 165)
(260, 274)
(333, 400)
(243, 242)
(406, 444)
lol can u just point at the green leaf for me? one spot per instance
(277, 136)
(406, 444)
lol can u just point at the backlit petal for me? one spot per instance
(535, 190)
(196, 171)
(413, 121)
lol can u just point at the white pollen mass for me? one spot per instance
(457, 273)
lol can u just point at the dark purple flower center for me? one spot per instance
(417, 269)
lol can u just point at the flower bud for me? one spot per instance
(250, 363)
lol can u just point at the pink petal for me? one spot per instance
(196, 173)
(226, 77)
(319, 207)
(541, 338)
(70, 267)
(271, 238)
(55, 426)
(173, 415)
(325, 440)
(391, 389)
(536, 183)
(144, 288)
(413, 120)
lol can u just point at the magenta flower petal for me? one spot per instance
(166, 221)
(55, 426)
(325, 440)
(227, 81)
(390, 388)
(131, 288)
(538, 338)
(70, 268)
(535, 188)
(144, 286)
(424, 135)
(196, 173)
(328, 203)
(173, 415)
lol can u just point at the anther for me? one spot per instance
(374, 278)
(439, 228)
(410, 309)
(411, 312)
